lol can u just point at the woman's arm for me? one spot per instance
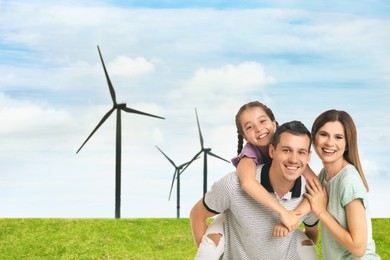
(246, 169)
(355, 238)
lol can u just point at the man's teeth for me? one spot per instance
(292, 167)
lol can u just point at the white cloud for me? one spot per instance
(228, 80)
(370, 168)
(125, 66)
(24, 118)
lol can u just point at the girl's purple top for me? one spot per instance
(250, 151)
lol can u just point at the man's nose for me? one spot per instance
(293, 157)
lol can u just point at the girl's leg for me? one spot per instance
(208, 249)
(306, 248)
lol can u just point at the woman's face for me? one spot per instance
(330, 142)
(257, 126)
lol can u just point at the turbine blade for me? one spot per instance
(173, 181)
(186, 164)
(169, 159)
(216, 156)
(112, 91)
(130, 110)
(200, 133)
(97, 127)
(193, 159)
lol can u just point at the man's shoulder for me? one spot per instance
(259, 168)
(262, 169)
(230, 178)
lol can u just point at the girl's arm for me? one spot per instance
(309, 174)
(246, 169)
(304, 207)
(355, 238)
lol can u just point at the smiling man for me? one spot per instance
(249, 225)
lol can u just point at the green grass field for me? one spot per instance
(116, 238)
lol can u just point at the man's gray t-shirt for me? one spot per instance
(249, 225)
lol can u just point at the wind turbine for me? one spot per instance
(118, 108)
(176, 175)
(205, 151)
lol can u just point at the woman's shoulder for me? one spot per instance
(352, 186)
(349, 173)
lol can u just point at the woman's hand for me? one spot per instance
(318, 199)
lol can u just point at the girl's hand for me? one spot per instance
(316, 194)
(290, 220)
(280, 231)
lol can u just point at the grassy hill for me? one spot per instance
(116, 238)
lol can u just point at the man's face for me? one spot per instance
(291, 155)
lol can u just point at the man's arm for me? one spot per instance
(198, 217)
(312, 232)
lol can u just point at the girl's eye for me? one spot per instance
(339, 137)
(322, 134)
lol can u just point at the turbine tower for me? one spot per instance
(176, 175)
(205, 151)
(118, 107)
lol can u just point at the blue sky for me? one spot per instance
(168, 58)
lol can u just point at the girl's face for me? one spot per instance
(330, 143)
(257, 126)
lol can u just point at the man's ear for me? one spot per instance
(271, 151)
